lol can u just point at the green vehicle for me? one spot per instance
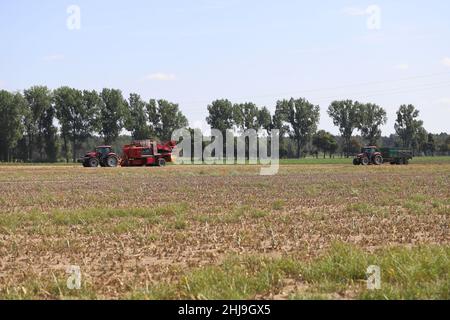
(396, 155)
(378, 156)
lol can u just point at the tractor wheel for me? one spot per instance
(161, 162)
(365, 161)
(93, 162)
(378, 160)
(112, 162)
(405, 161)
(356, 162)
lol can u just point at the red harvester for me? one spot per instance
(147, 153)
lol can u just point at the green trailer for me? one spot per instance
(396, 155)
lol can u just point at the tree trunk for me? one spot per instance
(74, 150)
(347, 151)
(30, 147)
(41, 152)
(65, 148)
(298, 149)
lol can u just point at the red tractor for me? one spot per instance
(103, 156)
(369, 155)
(147, 153)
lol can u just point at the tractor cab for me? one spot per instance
(369, 151)
(103, 151)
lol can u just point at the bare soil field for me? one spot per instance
(203, 232)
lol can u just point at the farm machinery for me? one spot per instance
(138, 153)
(147, 153)
(377, 156)
(103, 156)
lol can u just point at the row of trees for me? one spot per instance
(299, 118)
(41, 125)
(31, 123)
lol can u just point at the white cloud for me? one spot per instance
(354, 11)
(2, 84)
(402, 66)
(160, 76)
(446, 61)
(54, 57)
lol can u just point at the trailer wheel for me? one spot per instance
(112, 162)
(93, 162)
(365, 161)
(356, 162)
(161, 162)
(378, 160)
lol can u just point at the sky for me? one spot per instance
(193, 52)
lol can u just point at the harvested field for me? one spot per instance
(225, 232)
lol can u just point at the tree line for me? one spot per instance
(298, 119)
(46, 125)
(33, 123)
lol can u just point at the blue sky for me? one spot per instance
(193, 52)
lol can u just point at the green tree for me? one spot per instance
(91, 106)
(171, 119)
(265, 119)
(12, 111)
(332, 147)
(325, 142)
(39, 124)
(50, 134)
(371, 118)
(154, 118)
(67, 101)
(220, 116)
(302, 117)
(355, 146)
(245, 116)
(431, 145)
(407, 125)
(420, 141)
(445, 146)
(137, 120)
(278, 122)
(113, 112)
(77, 112)
(345, 115)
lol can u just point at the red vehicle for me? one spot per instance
(147, 153)
(369, 155)
(103, 156)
